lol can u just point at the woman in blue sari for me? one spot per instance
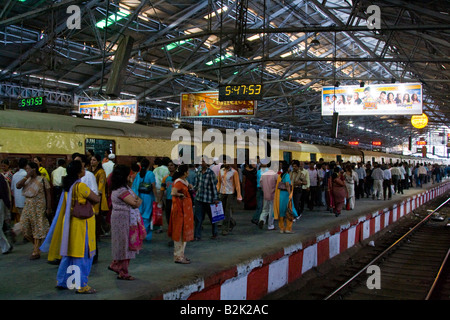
(72, 239)
(283, 205)
(144, 187)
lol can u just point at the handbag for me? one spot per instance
(80, 211)
(157, 214)
(137, 234)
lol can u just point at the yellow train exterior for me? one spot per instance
(51, 136)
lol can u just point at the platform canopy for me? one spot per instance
(293, 48)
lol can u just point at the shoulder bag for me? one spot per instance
(80, 211)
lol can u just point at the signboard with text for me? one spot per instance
(375, 99)
(112, 110)
(207, 104)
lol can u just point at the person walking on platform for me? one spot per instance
(259, 193)
(350, 182)
(125, 203)
(38, 206)
(19, 198)
(359, 192)
(72, 239)
(57, 176)
(165, 194)
(268, 184)
(206, 194)
(339, 191)
(43, 172)
(298, 180)
(422, 173)
(5, 206)
(283, 208)
(378, 177)
(229, 188)
(144, 187)
(387, 182)
(181, 225)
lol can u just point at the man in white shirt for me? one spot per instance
(109, 165)
(387, 181)
(313, 185)
(57, 176)
(268, 184)
(89, 177)
(19, 199)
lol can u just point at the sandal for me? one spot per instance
(183, 261)
(86, 290)
(109, 268)
(35, 256)
(126, 277)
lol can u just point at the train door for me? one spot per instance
(313, 157)
(338, 158)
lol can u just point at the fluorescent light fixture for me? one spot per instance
(210, 63)
(213, 14)
(287, 54)
(253, 37)
(173, 45)
(113, 18)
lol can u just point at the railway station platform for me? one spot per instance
(247, 264)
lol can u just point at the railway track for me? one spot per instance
(402, 266)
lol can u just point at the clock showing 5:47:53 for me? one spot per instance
(31, 102)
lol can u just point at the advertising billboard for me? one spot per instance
(207, 104)
(374, 99)
(112, 110)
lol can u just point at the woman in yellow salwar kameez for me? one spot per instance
(70, 239)
(283, 208)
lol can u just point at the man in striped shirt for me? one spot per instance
(206, 194)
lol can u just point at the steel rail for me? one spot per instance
(436, 280)
(386, 251)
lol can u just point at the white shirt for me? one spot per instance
(57, 176)
(313, 177)
(19, 199)
(108, 167)
(90, 181)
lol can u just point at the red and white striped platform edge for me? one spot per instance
(258, 277)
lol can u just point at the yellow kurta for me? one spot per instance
(78, 229)
(100, 177)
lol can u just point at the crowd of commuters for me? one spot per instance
(124, 202)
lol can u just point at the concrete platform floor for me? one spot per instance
(154, 269)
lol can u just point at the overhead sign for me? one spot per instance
(207, 104)
(419, 122)
(112, 110)
(375, 99)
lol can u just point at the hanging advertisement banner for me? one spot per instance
(112, 110)
(206, 104)
(375, 99)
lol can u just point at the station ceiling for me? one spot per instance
(292, 47)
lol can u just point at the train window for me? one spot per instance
(313, 157)
(99, 146)
(382, 160)
(338, 158)
(183, 151)
(287, 156)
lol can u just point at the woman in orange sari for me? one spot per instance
(181, 224)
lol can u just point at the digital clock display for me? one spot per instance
(238, 92)
(33, 102)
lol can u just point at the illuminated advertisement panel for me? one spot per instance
(374, 99)
(207, 104)
(112, 110)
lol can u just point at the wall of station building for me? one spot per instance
(261, 276)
